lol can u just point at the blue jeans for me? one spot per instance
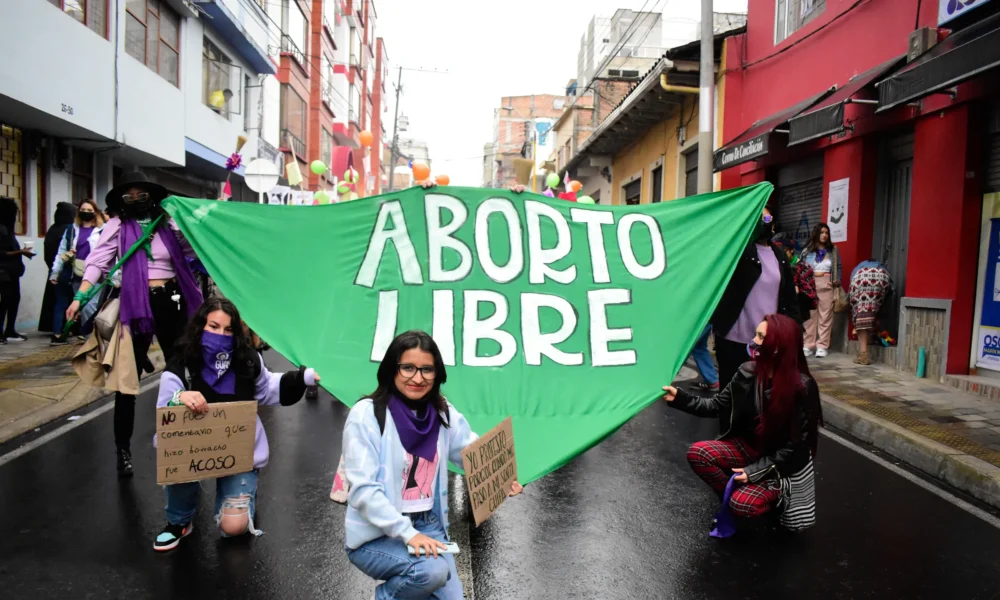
(182, 498)
(65, 290)
(409, 577)
(703, 358)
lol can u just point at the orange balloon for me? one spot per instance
(421, 172)
(366, 138)
(442, 179)
(576, 186)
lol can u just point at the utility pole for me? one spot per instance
(394, 150)
(706, 100)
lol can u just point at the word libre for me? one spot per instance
(192, 447)
(490, 470)
(529, 260)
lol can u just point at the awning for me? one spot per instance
(960, 56)
(755, 142)
(827, 117)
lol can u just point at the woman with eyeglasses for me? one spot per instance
(762, 284)
(158, 292)
(397, 443)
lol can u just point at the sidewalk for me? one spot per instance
(948, 434)
(38, 384)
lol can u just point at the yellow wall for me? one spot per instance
(660, 140)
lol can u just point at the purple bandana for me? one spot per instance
(419, 435)
(217, 355)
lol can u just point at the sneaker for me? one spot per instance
(707, 387)
(58, 341)
(124, 458)
(172, 536)
(338, 493)
(81, 338)
(821, 353)
(16, 337)
(807, 351)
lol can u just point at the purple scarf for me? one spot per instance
(217, 356)
(419, 435)
(135, 310)
(725, 520)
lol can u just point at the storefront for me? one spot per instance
(798, 189)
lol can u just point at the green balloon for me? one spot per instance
(585, 200)
(318, 167)
(343, 189)
(552, 180)
(322, 197)
(350, 177)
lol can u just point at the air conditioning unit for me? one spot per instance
(921, 41)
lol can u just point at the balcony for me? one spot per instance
(336, 101)
(298, 146)
(290, 48)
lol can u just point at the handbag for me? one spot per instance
(78, 267)
(839, 300)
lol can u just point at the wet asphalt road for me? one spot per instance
(626, 520)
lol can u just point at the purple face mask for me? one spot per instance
(753, 350)
(217, 355)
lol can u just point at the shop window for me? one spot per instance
(152, 36)
(92, 13)
(12, 173)
(633, 192)
(792, 15)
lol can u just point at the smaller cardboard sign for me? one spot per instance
(490, 470)
(192, 447)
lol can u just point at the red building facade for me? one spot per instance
(902, 101)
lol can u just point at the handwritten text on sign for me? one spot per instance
(490, 470)
(191, 447)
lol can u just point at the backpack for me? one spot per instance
(380, 417)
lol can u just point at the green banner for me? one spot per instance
(567, 317)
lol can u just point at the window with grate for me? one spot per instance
(152, 36)
(326, 149)
(792, 15)
(295, 25)
(293, 116)
(92, 13)
(216, 76)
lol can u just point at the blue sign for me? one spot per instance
(988, 355)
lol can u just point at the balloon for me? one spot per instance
(421, 172)
(585, 200)
(343, 189)
(321, 197)
(552, 180)
(351, 176)
(366, 138)
(576, 186)
(442, 180)
(318, 167)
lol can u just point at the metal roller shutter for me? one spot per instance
(993, 152)
(800, 208)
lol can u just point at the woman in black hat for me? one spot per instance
(158, 291)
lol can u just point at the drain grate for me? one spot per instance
(880, 406)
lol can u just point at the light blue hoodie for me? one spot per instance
(373, 466)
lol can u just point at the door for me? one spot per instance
(892, 219)
(657, 184)
(691, 172)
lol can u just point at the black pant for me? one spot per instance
(730, 356)
(170, 319)
(10, 298)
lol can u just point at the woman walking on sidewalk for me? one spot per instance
(769, 416)
(397, 443)
(823, 257)
(870, 285)
(64, 217)
(158, 291)
(11, 270)
(68, 266)
(216, 363)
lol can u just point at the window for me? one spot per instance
(152, 36)
(12, 173)
(83, 175)
(657, 184)
(293, 119)
(354, 104)
(633, 192)
(247, 124)
(326, 149)
(792, 15)
(92, 13)
(216, 73)
(355, 37)
(691, 172)
(295, 26)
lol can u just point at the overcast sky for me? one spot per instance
(489, 50)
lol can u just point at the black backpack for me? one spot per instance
(380, 417)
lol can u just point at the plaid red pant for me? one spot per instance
(713, 461)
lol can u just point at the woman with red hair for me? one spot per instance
(769, 416)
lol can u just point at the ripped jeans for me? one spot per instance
(182, 498)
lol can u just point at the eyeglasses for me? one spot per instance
(767, 218)
(410, 371)
(133, 198)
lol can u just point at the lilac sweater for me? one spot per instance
(103, 257)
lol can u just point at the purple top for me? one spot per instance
(104, 256)
(83, 243)
(762, 300)
(266, 393)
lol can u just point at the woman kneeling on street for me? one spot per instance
(215, 362)
(397, 443)
(768, 418)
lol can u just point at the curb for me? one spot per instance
(969, 474)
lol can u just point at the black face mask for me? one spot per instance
(87, 217)
(138, 210)
(764, 230)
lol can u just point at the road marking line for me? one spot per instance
(48, 437)
(955, 500)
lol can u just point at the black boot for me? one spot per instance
(124, 463)
(312, 392)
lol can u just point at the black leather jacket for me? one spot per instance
(736, 407)
(744, 277)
